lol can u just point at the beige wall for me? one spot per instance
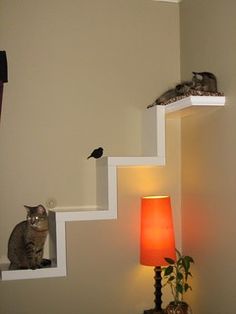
(80, 75)
(208, 43)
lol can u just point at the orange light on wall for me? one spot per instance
(157, 239)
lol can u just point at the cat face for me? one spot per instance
(205, 81)
(37, 217)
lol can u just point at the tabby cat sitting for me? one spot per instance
(26, 242)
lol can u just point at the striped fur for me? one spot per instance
(26, 242)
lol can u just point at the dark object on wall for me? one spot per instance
(202, 84)
(26, 243)
(3, 67)
(97, 153)
(3, 75)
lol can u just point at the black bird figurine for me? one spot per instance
(97, 153)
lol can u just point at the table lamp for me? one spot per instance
(157, 240)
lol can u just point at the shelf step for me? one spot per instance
(29, 273)
(193, 104)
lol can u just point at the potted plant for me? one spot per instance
(176, 275)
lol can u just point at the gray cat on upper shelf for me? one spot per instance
(202, 83)
(26, 242)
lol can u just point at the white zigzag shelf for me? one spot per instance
(153, 154)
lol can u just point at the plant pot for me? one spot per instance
(178, 308)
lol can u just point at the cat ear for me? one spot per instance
(27, 208)
(41, 210)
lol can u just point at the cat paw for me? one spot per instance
(45, 263)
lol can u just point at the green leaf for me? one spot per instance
(171, 278)
(168, 270)
(180, 260)
(190, 259)
(169, 260)
(179, 276)
(178, 253)
(186, 264)
(188, 274)
(179, 288)
(187, 287)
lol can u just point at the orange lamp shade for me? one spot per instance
(157, 232)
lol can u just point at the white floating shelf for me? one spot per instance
(153, 141)
(28, 273)
(193, 104)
